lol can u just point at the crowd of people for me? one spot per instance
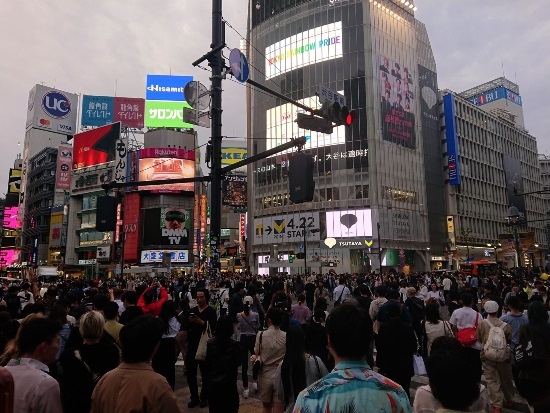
(319, 343)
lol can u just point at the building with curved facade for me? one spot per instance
(379, 179)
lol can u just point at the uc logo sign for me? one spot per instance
(56, 104)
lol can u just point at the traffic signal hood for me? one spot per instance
(313, 123)
(340, 115)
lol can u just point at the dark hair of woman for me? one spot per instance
(224, 328)
(246, 307)
(301, 298)
(167, 311)
(538, 319)
(321, 304)
(58, 313)
(293, 368)
(432, 311)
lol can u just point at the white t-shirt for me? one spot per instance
(438, 295)
(345, 294)
(465, 317)
(446, 284)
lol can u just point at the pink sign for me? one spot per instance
(64, 167)
(8, 257)
(129, 112)
(167, 153)
(10, 217)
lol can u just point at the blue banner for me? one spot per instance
(166, 87)
(97, 110)
(452, 142)
(496, 94)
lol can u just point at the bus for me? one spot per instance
(479, 268)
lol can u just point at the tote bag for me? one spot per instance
(201, 349)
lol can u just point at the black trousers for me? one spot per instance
(164, 362)
(192, 366)
(226, 399)
(474, 361)
(247, 343)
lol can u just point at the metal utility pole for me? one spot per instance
(217, 63)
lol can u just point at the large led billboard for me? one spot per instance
(397, 103)
(282, 127)
(234, 190)
(14, 183)
(349, 223)
(96, 146)
(287, 228)
(166, 163)
(166, 87)
(10, 217)
(8, 257)
(52, 110)
(166, 226)
(303, 49)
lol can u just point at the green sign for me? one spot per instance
(165, 114)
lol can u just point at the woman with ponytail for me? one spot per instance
(249, 323)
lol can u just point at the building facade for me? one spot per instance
(491, 158)
(371, 178)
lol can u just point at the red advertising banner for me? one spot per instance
(129, 112)
(167, 153)
(95, 146)
(64, 167)
(242, 226)
(203, 215)
(131, 227)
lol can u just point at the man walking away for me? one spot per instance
(352, 385)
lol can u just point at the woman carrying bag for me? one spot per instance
(249, 323)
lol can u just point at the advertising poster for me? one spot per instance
(166, 168)
(132, 226)
(95, 146)
(97, 110)
(64, 167)
(397, 103)
(14, 183)
(167, 226)
(164, 114)
(287, 228)
(514, 184)
(129, 112)
(10, 218)
(52, 110)
(8, 257)
(349, 223)
(234, 190)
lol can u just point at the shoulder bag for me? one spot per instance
(257, 366)
(339, 301)
(468, 336)
(201, 349)
(243, 317)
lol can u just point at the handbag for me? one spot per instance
(419, 366)
(468, 336)
(201, 349)
(257, 366)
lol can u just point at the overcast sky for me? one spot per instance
(103, 47)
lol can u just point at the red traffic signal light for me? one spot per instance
(350, 118)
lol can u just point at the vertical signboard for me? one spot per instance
(64, 167)
(131, 227)
(97, 110)
(14, 183)
(132, 171)
(452, 141)
(121, 158)
(129, 112)
(196, 226)
(514, 184)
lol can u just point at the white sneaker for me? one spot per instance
(255, 385)
(245, 393)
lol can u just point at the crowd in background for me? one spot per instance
(89, 338)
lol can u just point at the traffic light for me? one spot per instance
(340, 115)
(300, 178)
(291, 258)
(313, 123)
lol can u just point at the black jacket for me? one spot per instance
(223, 358)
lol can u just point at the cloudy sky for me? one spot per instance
(103, 47)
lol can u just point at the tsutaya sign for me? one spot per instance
(303, 49)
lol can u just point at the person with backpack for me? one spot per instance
(418, 312)
(495, 337)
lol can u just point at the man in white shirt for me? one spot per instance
(35, 390)
(446, 288)
(341, 293)
(26, 296)
(467, 317)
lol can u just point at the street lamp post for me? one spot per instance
(313, 231)
(513, 220)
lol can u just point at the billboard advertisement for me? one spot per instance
(97, 110)
(287, 228)
(167, 226)
(10, 218)
(234, 190)
(160, 168)
(303, 49)
(233, 155)
(514, 184)
(496, 94)
(132, 169)
(349, 223)
(453, 164)
(121, 158)
(176, 256)
(132, 226)
(129, 112)
(397, 103)
(95, 146)
(8, 257)
(52, 110)
(165, 114)
(282, 127)
(166, 87)
(14, 183)
(64, 167)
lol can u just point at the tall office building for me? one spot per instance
(491, 158)
(371, 178)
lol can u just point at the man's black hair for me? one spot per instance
(139, 337)
(36, 331)
(347, 321)
(110, 310)
(100, 301)
(129, 296)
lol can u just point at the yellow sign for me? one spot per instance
(233, 155)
